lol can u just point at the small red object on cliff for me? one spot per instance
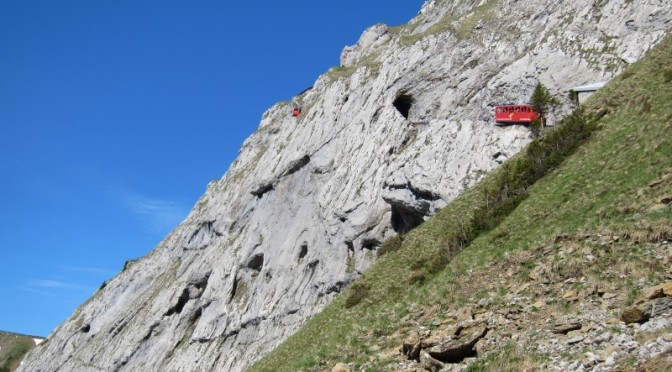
(296, 111)
(515, 114)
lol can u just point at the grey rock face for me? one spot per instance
(383, 141)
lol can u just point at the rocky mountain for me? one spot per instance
(384, 140)
(559, 260)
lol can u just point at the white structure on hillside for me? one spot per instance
(585, 91)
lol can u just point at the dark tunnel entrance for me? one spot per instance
(403, 104)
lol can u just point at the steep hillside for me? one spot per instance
(573, 274)
(397, 131)
(13, 347)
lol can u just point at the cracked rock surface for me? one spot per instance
(382, 142)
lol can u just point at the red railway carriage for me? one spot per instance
(515, 114)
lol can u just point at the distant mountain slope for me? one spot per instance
(398, 130)
(13, 347)
(572, 273)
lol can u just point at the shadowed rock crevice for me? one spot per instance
(181, 302)
(256, 262)
(204, 227)
(293, 167)
(371, 244)
(262, 189)
(85, 328)
(196, 316)
(117, 328)
(296, 165)
(337, 287)
(234, 289)
(404, 219)
(192, 291)
(410, 205)
(403, 103)
(303, 250)
(313, 264)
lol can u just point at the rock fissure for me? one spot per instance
(262, 189)
(181, 302)
(296, 165)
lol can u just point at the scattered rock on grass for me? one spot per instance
(566, 328)
(455, 349)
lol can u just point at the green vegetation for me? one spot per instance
(542, 100)
(543, 103)
(536, 126)
(12, 350)
(586, 177)
(667, 75)
(369, 62)
(355, 294)
(338, 72)
(391, 245)
(460, 24)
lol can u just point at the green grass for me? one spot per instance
(586, 176)
(12, 350)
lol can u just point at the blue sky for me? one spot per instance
(114, 116)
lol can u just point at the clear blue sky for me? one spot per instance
(114, 116)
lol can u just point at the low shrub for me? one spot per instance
(509, 187)
(416, 276)
(535, 127)
(626, 74)
(667, 75)
(392, 244)
(356, 293)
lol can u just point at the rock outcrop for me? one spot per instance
(398, 130)
(586, 335)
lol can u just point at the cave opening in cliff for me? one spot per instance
(404, 220)
(403, 104)
(256, 262)
(304, 250)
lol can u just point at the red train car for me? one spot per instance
(515, 114)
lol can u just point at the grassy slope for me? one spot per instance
(601, 189)
(13, 348)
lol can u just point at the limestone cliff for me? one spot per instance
(399, 129)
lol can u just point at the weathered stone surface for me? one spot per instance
(297, 216)
(455, 349)
(429, 363)
(655, 302)
(465, 313)
(634, 315)
(575, 339)
(566, 328)
(661, 290)
(411, 347)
